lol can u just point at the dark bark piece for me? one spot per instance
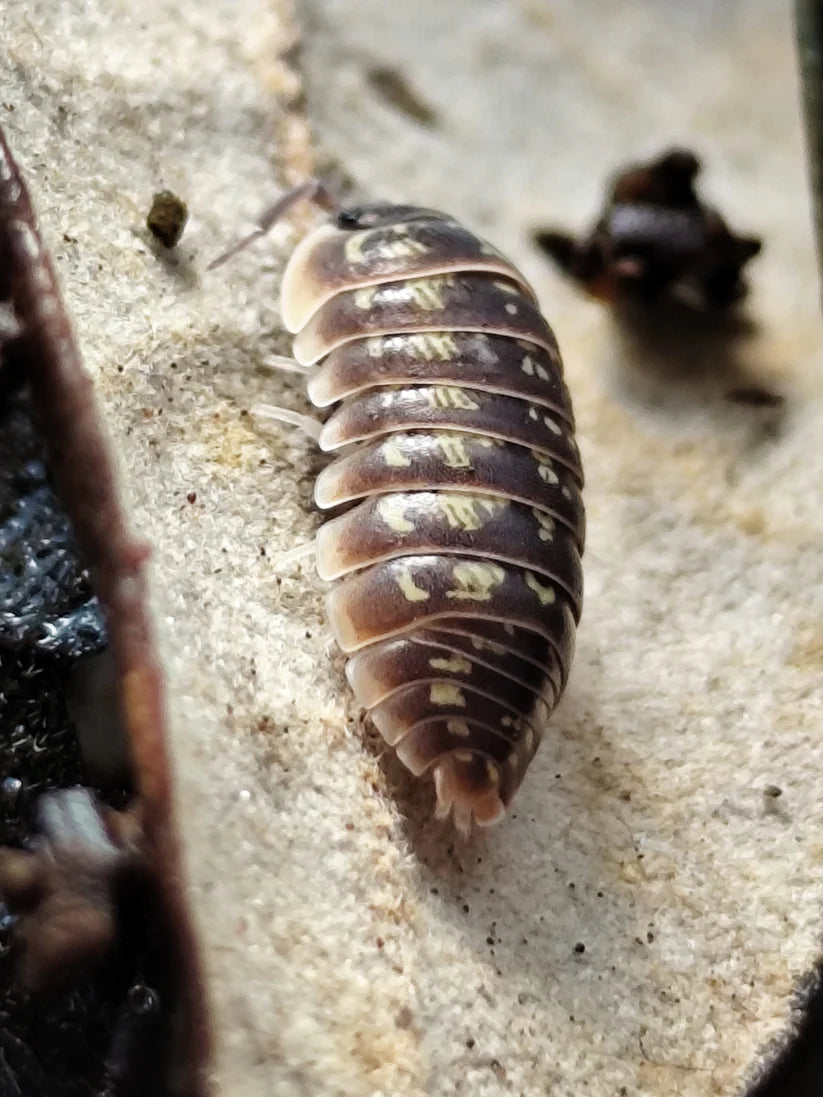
(798, 1069)
(91, 1035)
(655, 237)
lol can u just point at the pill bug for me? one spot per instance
(458, 524)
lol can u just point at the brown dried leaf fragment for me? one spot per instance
(654, 237)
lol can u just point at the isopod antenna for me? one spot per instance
(310, 191)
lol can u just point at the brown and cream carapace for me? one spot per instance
(457, 478)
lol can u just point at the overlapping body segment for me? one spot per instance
(335, 259)
(460, 526)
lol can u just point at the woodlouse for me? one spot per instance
(459, 544)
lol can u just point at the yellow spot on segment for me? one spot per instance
(364, 298)
(507, 721)
(458, 727)
(552, 425)
(529, 366)
(353, 248)
(487, 645)
(507, 287)
(453, 448)
(508, 629)
(428, 293)
(463, 755)
(447, 396)
(391, 510)
(475, 582)
(445, 693)
(492, 773)
(511, 309)
(465, 511)
(453, 665)
(384, 243)
(545, 469)
(545, 594)
(393, 455)
(459, 512)
(546, 525)
(411, 592)
(399, 247)
(434, 346)
(565, 492)
(532, 413)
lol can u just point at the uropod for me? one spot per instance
(457, 523)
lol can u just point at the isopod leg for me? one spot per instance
(467, 786)
(275, 414)
(285, 364)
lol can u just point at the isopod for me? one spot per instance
(456, 484)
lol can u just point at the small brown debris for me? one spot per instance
(497, 1068)
(392, 86)
(579, 948)
(167, 218)
(404, 1018)
(191, 497)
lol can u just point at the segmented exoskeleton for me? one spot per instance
(459, 545)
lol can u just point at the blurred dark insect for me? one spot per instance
(167, 218)
(656, 237)
(99, 981)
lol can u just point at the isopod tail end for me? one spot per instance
(468, 785)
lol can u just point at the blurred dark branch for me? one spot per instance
(809, 29)
(798, 1069)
